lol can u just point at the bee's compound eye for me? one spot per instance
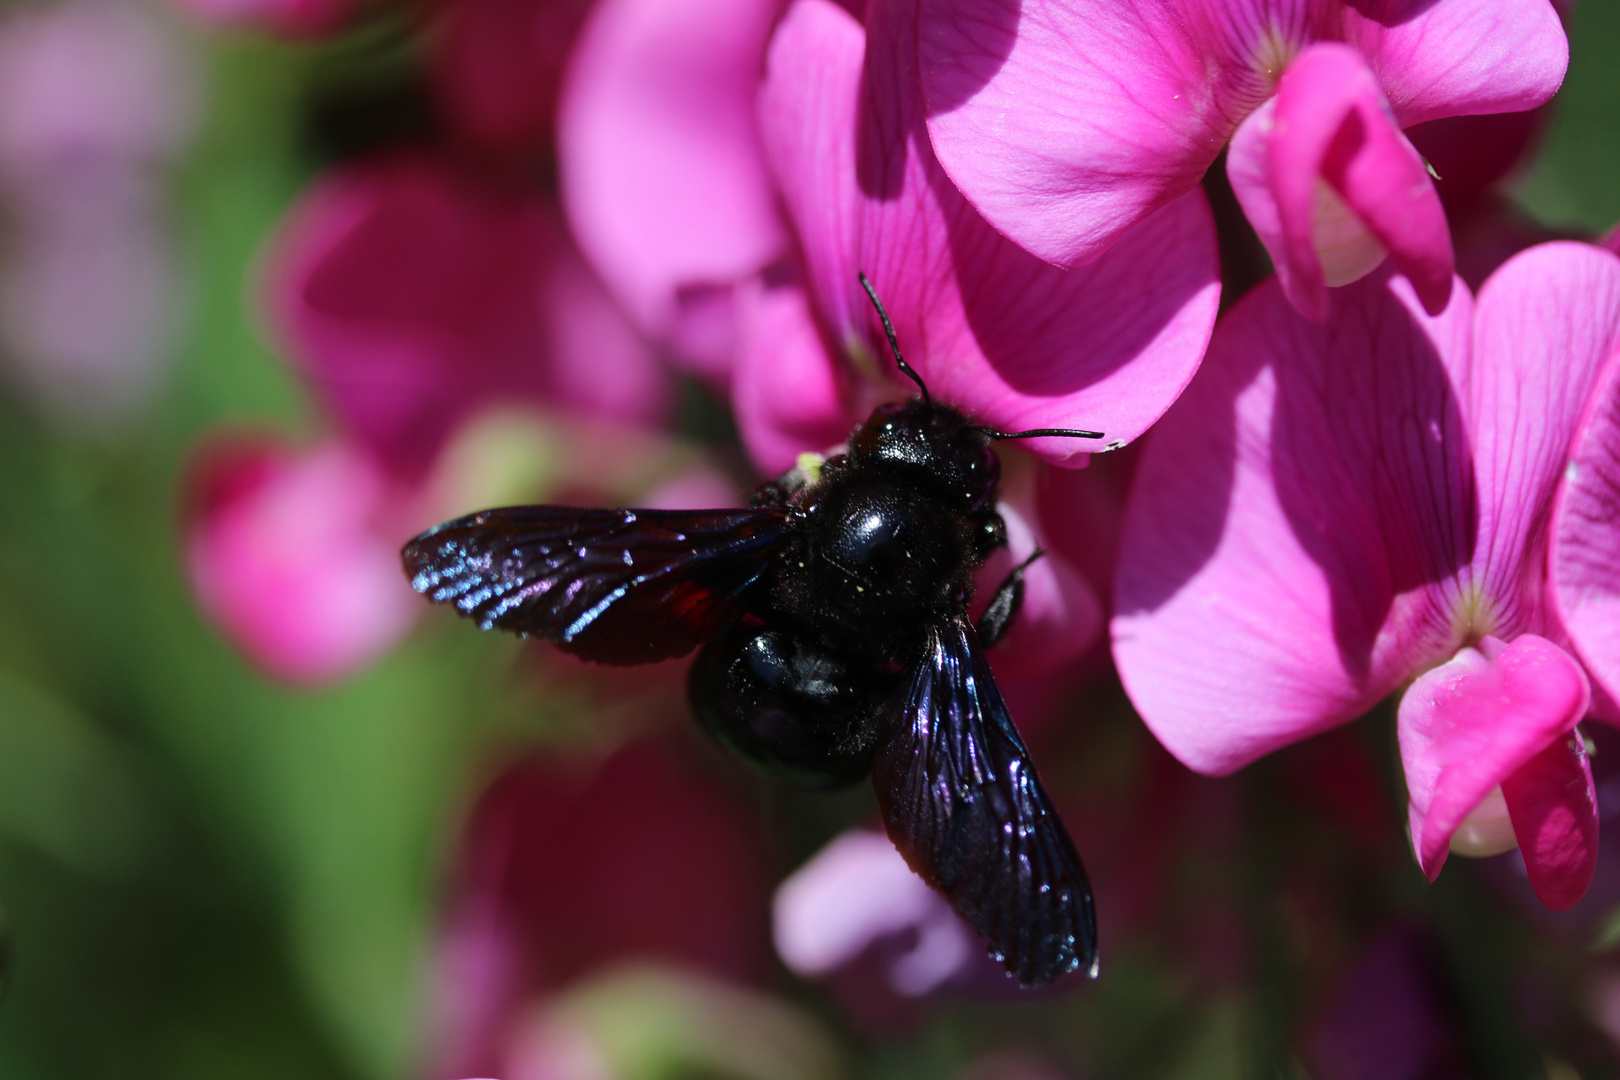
(992, 535)
(785, 706)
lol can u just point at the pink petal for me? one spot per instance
(573, 865)
(1332, 124)
(289, 18)
(788, 395)
(662, 173)
(1014, 341)
(1555, 819)
(1548, 320)
(1061, 616)
(1069, 121)
(1342, 249)
(413, 293)
(497, 66)
(1294, 526)
(90, 286)
(286, 556)
(1386, 1015)
(1584, 564)
(1460, 57)
(1473, 723)
(856, 892)
(85, 86)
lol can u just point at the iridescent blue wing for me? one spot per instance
(614, 586)
(961, 801)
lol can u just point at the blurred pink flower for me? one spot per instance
(857, 894)
(1032, 118)
(1312, 531)
(289, 553)
(1062, 614)
(1013, 341)
(88, 87)
(497, 66)
(568, 866)
(95, 100)
(413, 292)
(662, 171)
(1387, 1017)
(287, 18)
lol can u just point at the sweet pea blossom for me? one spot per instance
(497, 66)
(297, 19)
(291, 554)
(857, 894)
(426, 305)
(568, 866)
(662, 172)
(96, 102)
(412, 292)
(1386, 1014)
(1068, 121)
(1013, 341)
(1394, 501)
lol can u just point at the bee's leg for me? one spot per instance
(1005, 604)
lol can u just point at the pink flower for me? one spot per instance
(497, 66)
(288, 18)
(1067, 122)
(857, 894)
(1333, 511)
(567, 866)
(662, 171)
(95, 101)
(415, 295)
(1011, 340)
(1386, 1015)
(290, 554)
(413, 292)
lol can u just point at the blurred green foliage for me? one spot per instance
(204, 875)
(1575, 180)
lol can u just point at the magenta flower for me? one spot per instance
(566, 867)
(1386, 1015)
(497, 66)
(662, 171)
(292, 556)
(287, 18)
(96, 100)
(413, 293)
(1334, 511)
(416, 296)
(1066, 122)
(857, 895)
(1013, 341)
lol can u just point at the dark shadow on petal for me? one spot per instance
(1189, 465)
(1024, 311)
(890, 113)
(1390, 12)
(1371, 460)
(961, 45)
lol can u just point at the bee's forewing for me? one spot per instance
(961, 801)
(614, 586)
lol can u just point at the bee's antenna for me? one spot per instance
(1041, 433)
(894, 343)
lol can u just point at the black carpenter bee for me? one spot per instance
(836, 642)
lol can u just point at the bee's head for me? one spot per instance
(932, 445)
